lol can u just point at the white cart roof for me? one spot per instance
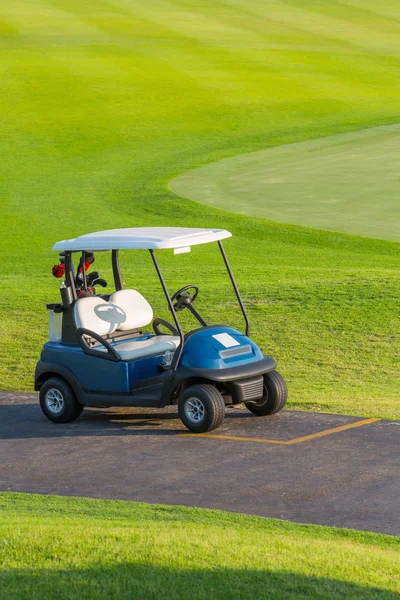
(142, 238)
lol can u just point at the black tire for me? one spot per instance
(66, 407)
(275, 396)
(209, 402)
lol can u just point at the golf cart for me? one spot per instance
(101, 356)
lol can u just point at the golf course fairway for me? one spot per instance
(346, 182)
(105, 102)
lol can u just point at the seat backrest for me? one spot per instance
(97, 315)
(137, 310)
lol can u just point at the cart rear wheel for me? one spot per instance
(275, 396)
(201, 408)
(58, 402)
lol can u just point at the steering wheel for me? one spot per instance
(183, 300)
(158, 322)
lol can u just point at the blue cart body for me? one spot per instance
(205, 351)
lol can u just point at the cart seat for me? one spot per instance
(133, 349)
(137, 311)
(127, 310)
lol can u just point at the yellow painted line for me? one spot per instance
(334, 430)
(238, 439)
(305, 438)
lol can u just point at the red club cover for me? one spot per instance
(58, 271)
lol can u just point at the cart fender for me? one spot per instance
(44, 370)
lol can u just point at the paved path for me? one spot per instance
(307, 467)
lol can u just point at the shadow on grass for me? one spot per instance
(154, 582)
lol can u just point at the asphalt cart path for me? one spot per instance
(307, 467)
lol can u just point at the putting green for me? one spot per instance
(347, 182)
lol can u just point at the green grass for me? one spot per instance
(346, 182)
(52, 547)
(103, 103)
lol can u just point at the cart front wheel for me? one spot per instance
(201, 408)
(58, 402)
(275, 396)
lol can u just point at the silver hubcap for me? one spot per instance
(194, 410)
(54, 401)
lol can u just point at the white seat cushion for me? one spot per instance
(97, 315)
(132, 349)
(138, 312)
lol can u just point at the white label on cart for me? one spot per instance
(226, 340)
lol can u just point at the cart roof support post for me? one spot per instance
(116, 271)
(69, 274)
(178, 353)
(235, 287)
(84, 269)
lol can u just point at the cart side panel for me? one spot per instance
(92, 373)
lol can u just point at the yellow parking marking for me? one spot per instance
(298, 440)
(305, 438)
(232, 437)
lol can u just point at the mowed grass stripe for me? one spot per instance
(104, 103)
